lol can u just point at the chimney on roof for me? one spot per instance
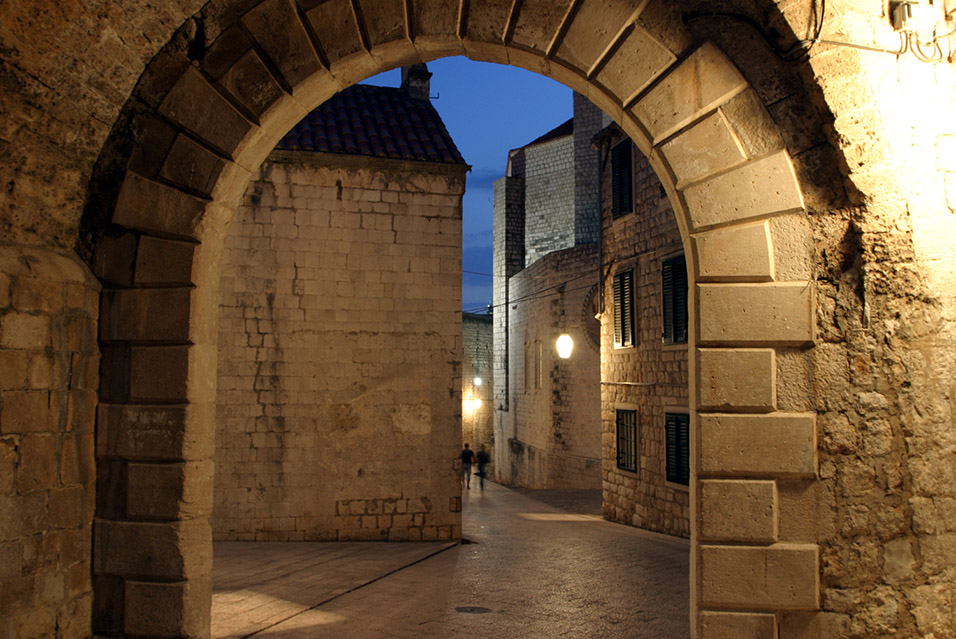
(416, 81)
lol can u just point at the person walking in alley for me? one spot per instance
(482, 457)
(467, 457)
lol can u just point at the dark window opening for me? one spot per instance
(627, 440)
(622, 180)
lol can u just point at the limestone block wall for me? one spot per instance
(648, 377)
(552, 439)
(588, 120)
(48, 377)
(339, 404)
(508, 259)
(549, 197)
(477, 360)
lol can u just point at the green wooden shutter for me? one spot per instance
(680, 299)
(622, 178)
(617, 310)
(670, 431)
(677, 444)
(667, 301)
(683, 445)
(627, 320)
(674, 300)
(624, 309)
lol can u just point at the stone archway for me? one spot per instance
(687, 107)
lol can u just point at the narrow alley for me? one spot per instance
(532, 570)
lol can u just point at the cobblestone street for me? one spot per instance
(531, 570)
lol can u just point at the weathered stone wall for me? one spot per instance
(649, 377)
(54, 121)
(554, 439)
(880, 373)
(548, 203)
(338, 409)
(48, 377)
(508, 259)
(549, 197)
(477, 338)
(588, 120)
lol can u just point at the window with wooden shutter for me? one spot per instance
(677, 444)
(624, 309)
(627, 440)
(622, 180)
(674, 300)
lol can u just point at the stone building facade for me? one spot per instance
(809, 161)
(477, 381)
(547, 428)
(338, 303)
(644, 379)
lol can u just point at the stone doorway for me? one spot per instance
(687, 107)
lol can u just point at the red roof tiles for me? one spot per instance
(379, 122)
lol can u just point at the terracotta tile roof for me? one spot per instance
(379, 122)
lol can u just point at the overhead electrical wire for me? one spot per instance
(542, 294)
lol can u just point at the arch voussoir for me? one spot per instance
(699, 84)
(195, 105)
(153, 207)
(276, 26)
(196, 169)
(758, 189)
(538, 24)
(639, 60)
(593, 29)
(386, 29)
(738, 253)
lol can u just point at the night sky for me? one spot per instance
(489, 109)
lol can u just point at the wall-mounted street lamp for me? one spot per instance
(477, 381)
(564, 345)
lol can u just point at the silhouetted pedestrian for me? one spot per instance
(467, 457)
(482, 458)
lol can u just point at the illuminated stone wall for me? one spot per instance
(477, 420)
(553, 436)
(338, 404)
(648, 377)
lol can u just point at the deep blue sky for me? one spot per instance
(489, 109)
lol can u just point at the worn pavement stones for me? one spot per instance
(531, 570)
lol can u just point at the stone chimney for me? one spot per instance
(416, 81)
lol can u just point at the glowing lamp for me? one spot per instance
(564, 345)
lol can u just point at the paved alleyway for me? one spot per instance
(533, 571)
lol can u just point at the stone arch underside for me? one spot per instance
(728, 175)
